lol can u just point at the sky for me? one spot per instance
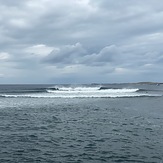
(81, 41)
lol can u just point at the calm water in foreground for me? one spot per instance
(86, 124)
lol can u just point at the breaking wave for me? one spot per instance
(81, 92)
(51, 90)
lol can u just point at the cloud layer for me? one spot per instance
(80, 41)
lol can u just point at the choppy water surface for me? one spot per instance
(79, 130)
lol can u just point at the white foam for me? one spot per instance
(94, 92)
(76, 96)
(77, 88)
(80, 92)
(90, 89)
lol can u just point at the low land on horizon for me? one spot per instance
(150, 83)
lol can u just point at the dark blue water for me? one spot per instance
(80, 130)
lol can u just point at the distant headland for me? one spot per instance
(150, 83)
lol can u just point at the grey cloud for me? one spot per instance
(128, 19)
(122, 56)
(116, 37)
(55, 25)
(66, 55)
(76, 54)
(106, 55)
(11, 3)
(49, 24)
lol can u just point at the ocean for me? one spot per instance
(93, 123)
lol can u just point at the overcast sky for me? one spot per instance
(81, 41)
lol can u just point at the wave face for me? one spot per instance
(85, 91)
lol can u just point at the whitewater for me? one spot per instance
(78, 92)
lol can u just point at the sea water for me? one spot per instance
(81, 123)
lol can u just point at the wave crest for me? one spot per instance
(82, 92)
(89, 89)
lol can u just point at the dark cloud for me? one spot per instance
(69, 54)
(77, 54)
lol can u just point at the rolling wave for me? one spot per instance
(90, 89)
(50, 90)
(81, 92)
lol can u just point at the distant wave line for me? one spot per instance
(80, 96)
(90, 89)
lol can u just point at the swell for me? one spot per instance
(41, 90)
(149, 90)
